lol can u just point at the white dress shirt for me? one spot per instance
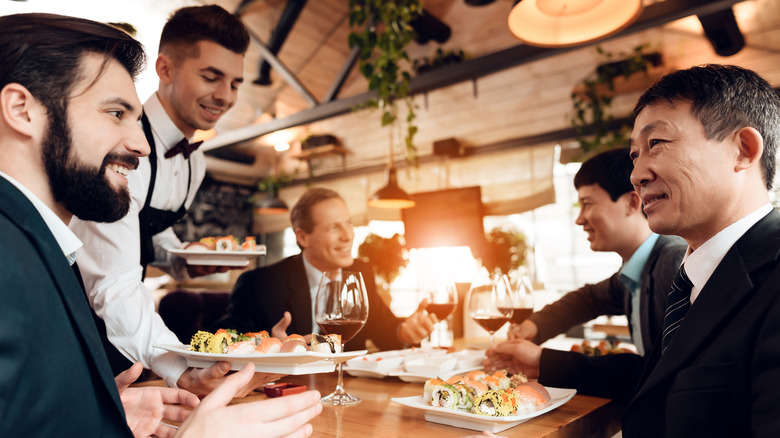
(700, 264)
(110, 260)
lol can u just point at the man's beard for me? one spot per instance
(84, 191)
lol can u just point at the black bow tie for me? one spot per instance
(183, 147)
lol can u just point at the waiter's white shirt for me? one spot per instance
(700, 264)
(110, 259)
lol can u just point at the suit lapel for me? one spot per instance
(300, 297)
(21, 211)
(729, 285)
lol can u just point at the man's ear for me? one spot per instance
(302, 238)
(20, 111)
(750, 145)
(633, 202)
(165, 68)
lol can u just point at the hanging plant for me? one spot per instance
(591, 101)
(386, 256)
(503, 250)
(382, 33)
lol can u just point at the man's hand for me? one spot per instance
(202, 381)
(279, 331)
(278, 417)
(525, 330)
(146, 407)
(515, 356)
(417, 326)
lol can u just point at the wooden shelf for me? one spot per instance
(635, 82)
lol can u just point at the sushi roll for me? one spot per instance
(219, 342)
(477, 375)
(504, 382)
(455, 379)
(242, 347)
(428, 389)
(326, 343)
(231, 334)
(444, 395)
(476, 388)
(494, 383)
(269, 345)
(294, 344)
(517, 379)
(496, 403)
(200, 341)
(255, 337)
(465, 401)
(531, 396)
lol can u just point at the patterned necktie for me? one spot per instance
(183, 147)
(677, 304)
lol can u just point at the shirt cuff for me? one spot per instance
(170, 366)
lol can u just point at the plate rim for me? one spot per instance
(564, 395)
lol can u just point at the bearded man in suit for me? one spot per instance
(285, 291)
(703, 147)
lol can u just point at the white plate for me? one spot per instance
(467, 420)
(418, 378)
(307, 362)
(217, 258)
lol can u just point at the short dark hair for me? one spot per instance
(43, 52)
(611, 170)
(190, 25)
(724, 98)
(300, 216)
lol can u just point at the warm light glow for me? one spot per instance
(204, 135)
(391, 203)
(562, 23)
(283, 136)
(281, 147)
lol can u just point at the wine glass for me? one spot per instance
(341, 307)
(442, 296)
(522, 300)
(489, 301)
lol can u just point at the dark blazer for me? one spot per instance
(610, 297)
(261, 296)
(720, 375)
(55, 379)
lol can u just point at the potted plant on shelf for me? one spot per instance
(387, 258)
(503, 251)
(382, 32)
(596, 129)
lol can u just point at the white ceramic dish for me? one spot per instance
(383, 363)
(218, 258)
(419, 378)
(470, 421)
(276, 363)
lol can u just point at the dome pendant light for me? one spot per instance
(391, 195)
(564, 23)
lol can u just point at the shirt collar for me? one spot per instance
(632, 269)
(163, 127)
(67, 241)
(700, 264)
(313, 274)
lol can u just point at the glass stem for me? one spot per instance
(340, 382)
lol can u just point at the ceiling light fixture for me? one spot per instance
(564, 23)
(391, 196)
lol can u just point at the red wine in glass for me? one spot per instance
(490, 323)
(347, 329)
(441, 310)
(518, 314)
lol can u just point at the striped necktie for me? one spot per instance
(677, 304)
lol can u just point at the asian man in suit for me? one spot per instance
(611, 214)
(703, 147)
(69, 135)
(285, 291)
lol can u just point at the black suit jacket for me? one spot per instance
(54, 377)
(261, 296)
(720, 375)
(610, 297)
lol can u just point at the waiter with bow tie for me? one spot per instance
(200, 66)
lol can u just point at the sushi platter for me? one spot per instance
(297, 363)
(466, 420)
(218, 258)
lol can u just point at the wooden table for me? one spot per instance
(378, 416)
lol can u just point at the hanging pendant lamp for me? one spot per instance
(564, 23)
(391, 196)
